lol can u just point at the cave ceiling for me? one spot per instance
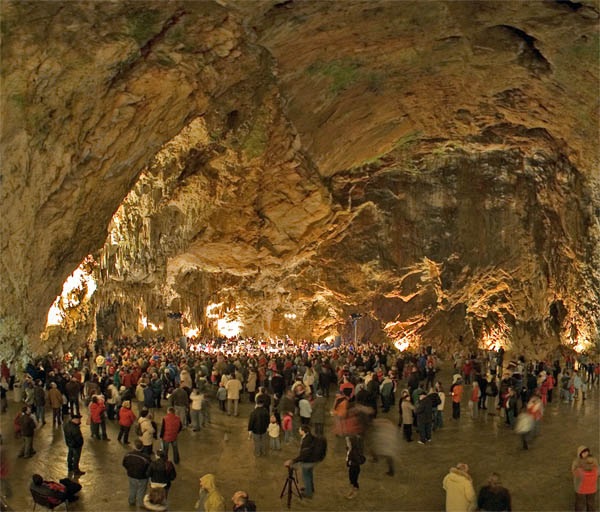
(430, 166)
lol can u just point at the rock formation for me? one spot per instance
(430, 166)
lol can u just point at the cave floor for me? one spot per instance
(538, 479)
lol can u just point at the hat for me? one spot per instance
(76, 416)
(122, 388)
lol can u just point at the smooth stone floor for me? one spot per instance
(539, 479)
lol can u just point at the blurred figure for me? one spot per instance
(354, 459)
(384, 442)
(494, 497)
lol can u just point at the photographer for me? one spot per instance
(306, 460)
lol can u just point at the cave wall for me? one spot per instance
(435, 169)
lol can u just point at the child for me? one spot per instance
(354, 459)
(273, 431)
(222, 396)
(286, 424)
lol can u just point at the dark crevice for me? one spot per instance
(126, 66)
(574, 6)
(529, 55)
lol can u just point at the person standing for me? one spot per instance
(55, 399)
(319, 408)
(161, 471)
(233, 387)
(438, 413)
(456, 392)
(585, 480)
(146, 431)
(169, 430)
(73, 390)
(407, 412)
(136, 463)
(306, 460)
(258, 423)
(180, 400)
(74, 441)
(27, 428)
(460, 494)
(126, 420)
(196, 409)
(494, 497)
(424, 413)
(39, 400)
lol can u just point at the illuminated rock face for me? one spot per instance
(433, 168)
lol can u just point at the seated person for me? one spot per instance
(55, 492)
(242, 502)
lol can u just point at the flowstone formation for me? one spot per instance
(431, 169)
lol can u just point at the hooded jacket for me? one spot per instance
(210, 499)
(460, 494)
(585, 473)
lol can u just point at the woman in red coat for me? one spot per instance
(126, 420)
(98, 417)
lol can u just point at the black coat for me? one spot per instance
(424, 411)
(73, 435)
(259, 420)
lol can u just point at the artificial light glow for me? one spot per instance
(79, 279)
(402, 344)
(290, 316)
(496, 337)
(229, 328)
(192, 332)
(211, 310)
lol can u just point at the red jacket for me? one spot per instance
(126, 417)
(171, 426)
(96, 410)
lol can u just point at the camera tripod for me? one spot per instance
(291, 486)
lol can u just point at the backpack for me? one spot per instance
(319, 450)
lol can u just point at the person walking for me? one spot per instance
(585, 480)
(354, 459)
(456, 392)
(74, 442)
(493, 496)
(73, 391)
(136, 463)
(169, 430)
(460, 494)
(258, 423)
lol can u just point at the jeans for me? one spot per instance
(353, 472)
(73, 405)
(181, 411)
(73, 459)
(196, 415)
(27, 450)
(274, 443)
(585, 502)
(57, 416)
(307, 478)
(123, 434)
(260, 444)
(318, 429)
(40, 414)
(438, 420)
(137, 489)
(166, 445)
(425, 432)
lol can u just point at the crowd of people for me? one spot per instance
(294, 387)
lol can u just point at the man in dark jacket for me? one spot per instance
(257, 427)
(73, 390)
(306, 460)
(74, 441)
(424, 413)
(137, 463)
(27, 429)
(161, 471)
